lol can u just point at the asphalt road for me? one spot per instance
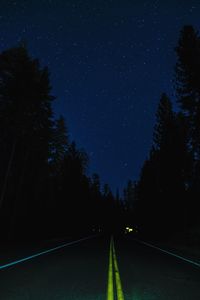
(80, 271)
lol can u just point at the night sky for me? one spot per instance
(109, 63)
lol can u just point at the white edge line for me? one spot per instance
(170, 253)
(43, 252)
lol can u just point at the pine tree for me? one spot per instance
(164, 177)
(187, 80)
(129, 195)
(164, 124)
(25, 129)
(59, 145)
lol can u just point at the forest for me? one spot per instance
(45, 190)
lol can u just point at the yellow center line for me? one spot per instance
(110, 294)
(110, 291)
(120, 295)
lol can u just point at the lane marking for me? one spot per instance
(120, 295)
(43, 252)
(170, 253)
(113, 267)
(110, 293)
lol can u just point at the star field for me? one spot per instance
(109, 63)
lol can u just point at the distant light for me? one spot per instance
(128, 229)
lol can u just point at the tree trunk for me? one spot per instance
(5, 183)
(16, 203)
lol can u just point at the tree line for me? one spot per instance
(166, 197)
(44, 187)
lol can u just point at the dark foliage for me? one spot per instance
(44, 189)
(168, 189)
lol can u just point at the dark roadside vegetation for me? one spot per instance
(45, 192)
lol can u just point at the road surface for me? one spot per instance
(85, 270)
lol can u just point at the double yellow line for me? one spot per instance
(113, 267)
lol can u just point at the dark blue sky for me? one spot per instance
(109, 63)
